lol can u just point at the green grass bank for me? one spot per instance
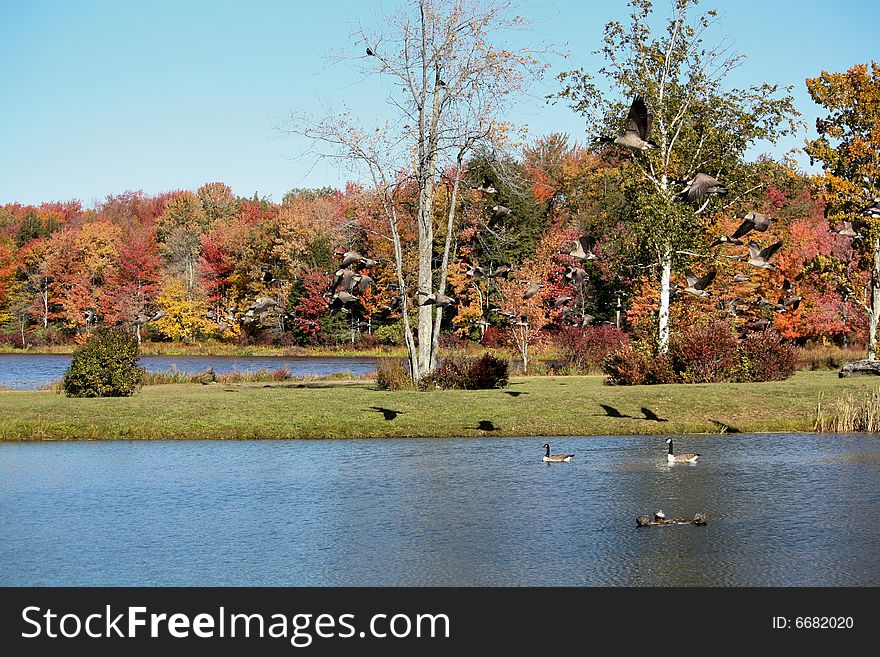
(539, 406)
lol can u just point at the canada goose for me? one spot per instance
(700, 519)
(475, 271)
(533, 289)
(724, 239)
(349, 258)
(487, 187)
(367, 263)
(343, 279)
(502, 271)
(555, 458)
(638, 127)
(850, 228)
(680, 458)
(659, 516)
(267, 276)
(370, 52)
(262, 304)
(757, 325)
(582, 248)
(700, 185)
(159, 314)
(790, 303)
(576, 275)
(697, 286)
(363, 284)
(499, 212)
(759, 257)
(753, 221)
(437, 299)
(787, 286)
(872, 210)
(741, 278)
(561, 301)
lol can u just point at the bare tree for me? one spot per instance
(449, 73)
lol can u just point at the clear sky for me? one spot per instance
(104, 96)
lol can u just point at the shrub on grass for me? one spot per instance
(635, 364)
(392, 374)
(105, 366)
(484, 372)
(766, 356)
(705, 354)
(584, 349)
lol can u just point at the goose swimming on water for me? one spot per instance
(556, 458)
(680, 458)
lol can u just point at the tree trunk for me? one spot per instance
(874, 304)
(663, 316)
(447, 245)
(46, 307)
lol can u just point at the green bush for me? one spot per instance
(105, 366)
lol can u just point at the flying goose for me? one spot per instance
(437, 299)
(757, 325)
(790, 303)
(850, 228)
(680, 458)
(576, 275)
(741, 278)
(364, 283)
(499, 212)
(759, 257)
(700, 185)
(533, 289)
(638, 126)
(350, 257)
(561, 300)
(343, 279)
(752, 221)
(555, 458)
(697, 286)
(872, 210)
(724, 239)
(582, 248)
(503, 271)
(487, 187)
(475, 271)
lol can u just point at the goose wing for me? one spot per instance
(639, 119)
(754, 250)
(691, 278)
(770, 250)
(744, 228)
(704, 282)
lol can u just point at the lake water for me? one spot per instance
(33, 371)
(783, 510)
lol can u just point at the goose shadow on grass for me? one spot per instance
(651, 415)
(515, 393)
(610, 411)
(724, 428)
(486, 425)
(387, 413)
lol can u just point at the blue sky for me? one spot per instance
(104, 96)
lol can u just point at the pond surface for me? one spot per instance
(34, 371)
(783, 510)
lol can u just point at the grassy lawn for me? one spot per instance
(574, 405)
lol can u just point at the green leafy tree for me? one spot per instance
(105, 366)
(848, 146)
(698, 127)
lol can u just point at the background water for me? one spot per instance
(33, 371)
(783, 510)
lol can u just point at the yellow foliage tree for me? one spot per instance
(185, 316)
